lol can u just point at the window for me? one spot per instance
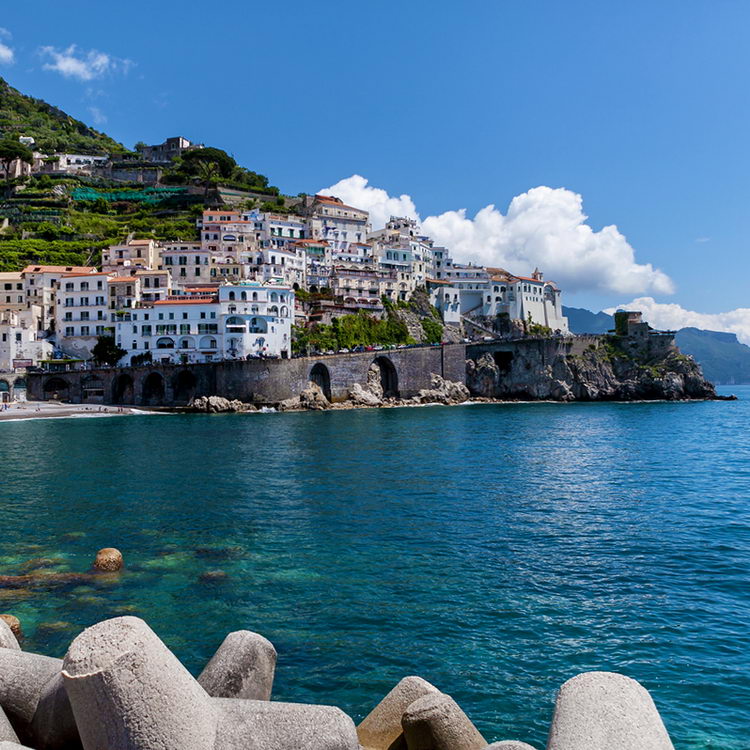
(84, 286)
(69, 331)
(84, 330)
(84, 315)
(184, 328)
(69, 287)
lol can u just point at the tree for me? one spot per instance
(11, 151)
(224, 162)
(208, 172)
(106, 351)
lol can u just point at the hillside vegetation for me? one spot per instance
(52, 129)
(67, 220)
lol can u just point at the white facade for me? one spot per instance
(40, 289)
(138, 253)
(81, 312)
(20, 344)
(240, 321)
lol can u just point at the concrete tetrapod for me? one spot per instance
(606, 711)
(382, 726)
(268, 725)
(7, 734)
(7, 638)
(33, 696)
(129, 692)
(242, 667)
(436, 722)
(13, 746)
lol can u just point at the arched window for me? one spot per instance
(231, 295)
(284, 312)
(274, 297)
(255, 296)
(243, 296)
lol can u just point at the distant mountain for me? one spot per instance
(723, 358)
(585, 321)
(52, 129)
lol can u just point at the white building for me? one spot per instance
(20, 343)
(41, 284)
(136, 253)
(240, 321)
(330, 219)
(81, 312)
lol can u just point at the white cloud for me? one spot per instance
(98, 116)
(85, 66)
(544, 227)
(356, 192)
(7, 56)
(671, 316)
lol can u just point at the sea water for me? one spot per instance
(495, 550)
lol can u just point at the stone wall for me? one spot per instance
(404, 371)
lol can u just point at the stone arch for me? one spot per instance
(165, 342)
(56, 388)
(320, 375)
(152, 393)
(122, 390)
(183, 387)
(92, 389)
(4, 391)
(388, 376)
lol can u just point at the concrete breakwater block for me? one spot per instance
(382, 726)
(436, 722)
(606, 711)
(34, 697)
(7, 638)
(129, 692)
(13, 623)
(7, 733)
(268, 725)
(7, 745)
(242, 667)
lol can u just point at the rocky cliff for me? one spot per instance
(605, 370)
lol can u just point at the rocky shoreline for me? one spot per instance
(589, 377)
(120, 688)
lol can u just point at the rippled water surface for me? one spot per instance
(494, 550)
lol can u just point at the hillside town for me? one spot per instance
(252, 281)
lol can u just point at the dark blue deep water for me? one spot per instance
(495, 550)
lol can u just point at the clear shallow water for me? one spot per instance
(494, 550)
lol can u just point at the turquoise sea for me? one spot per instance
(495, 550)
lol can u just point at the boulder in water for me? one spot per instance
(108, 560)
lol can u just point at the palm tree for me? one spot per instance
(208, 172)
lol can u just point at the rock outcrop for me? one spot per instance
(311, 398)
(218, 405)
(600, 373)
(443, 391)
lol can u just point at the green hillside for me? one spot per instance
(68, 219)
(52, 129)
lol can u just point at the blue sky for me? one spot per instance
(639, 107)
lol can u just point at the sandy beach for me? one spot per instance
(51, 410)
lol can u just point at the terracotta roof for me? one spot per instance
(58, 269)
